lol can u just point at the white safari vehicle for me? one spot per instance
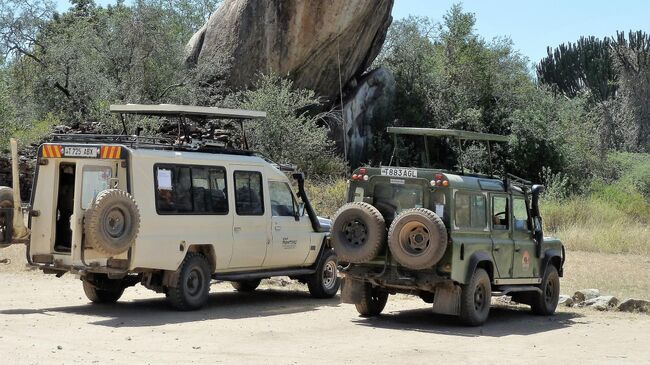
(122, 210)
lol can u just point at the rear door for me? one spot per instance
(251, 231)
(502, 243)
(291, 236)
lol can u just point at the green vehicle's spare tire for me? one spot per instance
(417, 238)
(112, 222)
(358, 232)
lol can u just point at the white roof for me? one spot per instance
(173, 109)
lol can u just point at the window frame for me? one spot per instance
(234, 182)
(294, 202)
(486, 227)
(508, 199)
(190, 166)
(527, 228)
(92, 167)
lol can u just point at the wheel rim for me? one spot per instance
(115, 222)
(479, 298)
(549, 292)
(194, 283)
(356, 232)
(329, 275)
(414, 238)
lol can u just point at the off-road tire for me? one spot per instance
(99, 295)
(373, 301)
(325, 283)
(192, 285)
(246, 286)
(544, 304)
(413, 224)
(475, 299)
(358, 232)
(112, 222)
(6, 201)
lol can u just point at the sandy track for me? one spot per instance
(39, 314)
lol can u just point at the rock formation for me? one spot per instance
(305, 40)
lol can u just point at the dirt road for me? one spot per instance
(48, 320)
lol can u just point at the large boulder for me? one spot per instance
(306, 40)
(634, 305)
(367, 109)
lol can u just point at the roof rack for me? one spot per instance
(454, 133)
(146, 142)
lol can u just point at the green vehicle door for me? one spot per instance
(502, 243)
(524, 260)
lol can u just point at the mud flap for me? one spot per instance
(351, 290)
(447, 300)
(6, 227)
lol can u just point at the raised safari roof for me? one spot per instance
(187, 110)
(448, 133)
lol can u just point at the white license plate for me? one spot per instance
(397, 172)
(81, 152)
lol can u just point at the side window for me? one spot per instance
(470, 211)
(520, 214)
(282, 204)
(500, 219)
(248, 193)
(191, 190)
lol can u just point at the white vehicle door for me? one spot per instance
(250, 227)
(291, 236)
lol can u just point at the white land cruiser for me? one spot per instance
(122, 210)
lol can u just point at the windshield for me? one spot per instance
(392, 199)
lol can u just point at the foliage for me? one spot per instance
(288, 134)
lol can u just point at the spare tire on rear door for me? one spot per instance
(112, 222)
(358, 232)
(417, 238)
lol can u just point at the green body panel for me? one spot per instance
(512, 253)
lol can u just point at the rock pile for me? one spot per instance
(592, 298)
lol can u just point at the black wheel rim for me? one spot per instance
(194, 283)
(549, 292)
(479, 298)
(355, 232)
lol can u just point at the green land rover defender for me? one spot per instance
(453, 239)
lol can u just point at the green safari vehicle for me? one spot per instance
(453, 239)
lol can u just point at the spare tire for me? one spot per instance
(112, 222)
(417, 238)
(358, 232)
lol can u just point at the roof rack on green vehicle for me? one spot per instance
(453, 133)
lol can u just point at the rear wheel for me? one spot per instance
(475, 299)
(192, 286)
(97, 294)
(325, 283)
(246, 286)
(545, 303)
(373, 301)
(358, 232)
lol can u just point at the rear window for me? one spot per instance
(191, 190)
(94, 180)
(392, 199)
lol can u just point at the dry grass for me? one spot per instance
(327, 196)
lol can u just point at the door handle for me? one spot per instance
(277, 228)
(237, 229)
(517, 249)
(496, 249)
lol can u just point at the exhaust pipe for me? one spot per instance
(20, 232)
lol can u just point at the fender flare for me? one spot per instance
(477, 258)
(549, 256)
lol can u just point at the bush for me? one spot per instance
(327, 196)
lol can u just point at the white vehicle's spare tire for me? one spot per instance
(358, 232)
(112, 222)
(417, 238)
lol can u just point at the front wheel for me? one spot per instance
(325, 283)
(373, 301)
(475, 299)
(98, 294)
(192, 286)
(545, 303)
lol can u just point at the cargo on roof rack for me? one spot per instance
(186, 110)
